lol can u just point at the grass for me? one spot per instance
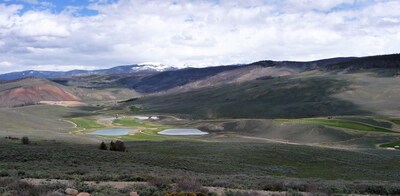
(134, 108)
(390, 145)
(246, 165)
(148, 131)
(130, 122)
(339, 123)
(149, 135)
(396, 121)
(85, 123)
(368, 120)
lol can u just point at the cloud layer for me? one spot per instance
(195, 33)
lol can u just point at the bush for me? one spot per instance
(160, 183)
(150, 191)
(113, 147)
(189, 185)
(241, 193)
(103, 146)
(185, 194)
(25, 140)
(4, 174)
(120, 146)
(117, 146)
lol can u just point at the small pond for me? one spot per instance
(112, 132)
(182, 132)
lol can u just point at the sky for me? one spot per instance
(93, 34)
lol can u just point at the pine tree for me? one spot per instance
(103, 146)
(120, 146)
(113, 147)
(25, 140)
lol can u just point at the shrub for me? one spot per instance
(117, 146)
(83, 187)
(160, 183)
(185, 194)
(103, 146)
(149, 191)
(25, 140)
(4, 174)
(120, 146)
(241, 193)
(113, 147)
(189, 185)
(134, 108)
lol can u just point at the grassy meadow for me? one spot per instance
(341, 124)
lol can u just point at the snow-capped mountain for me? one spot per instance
(124, 69)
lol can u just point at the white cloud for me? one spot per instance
(197, 33)
(5, 64)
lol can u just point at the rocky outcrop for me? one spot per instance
(71, 192)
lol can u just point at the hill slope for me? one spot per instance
(195, 78)
(31, 91)
(283, 97)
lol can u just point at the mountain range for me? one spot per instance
(123, 69)
(125, 82)
(340, 63)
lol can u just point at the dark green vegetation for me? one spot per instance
(25, 140)
(391, 145)
(368, 120)
(397, 121)
(340, 123)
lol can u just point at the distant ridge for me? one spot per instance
(124, 69)
(339, 63)
(389, 61)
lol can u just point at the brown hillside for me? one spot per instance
(32, 91)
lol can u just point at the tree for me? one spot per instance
(103, 146)
(113, 147)
(120, 146)
(25, 140)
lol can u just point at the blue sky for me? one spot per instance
(91, 34)
(55, 6)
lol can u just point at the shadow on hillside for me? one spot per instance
(275, 98)
(170, 79)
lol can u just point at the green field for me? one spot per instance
(84, 123)
(390, 145)
(340, 123)
(132, 122)
(396, 121)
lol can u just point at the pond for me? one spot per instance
(182, 132)
(112, 132)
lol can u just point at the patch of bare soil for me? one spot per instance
(64, 103)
